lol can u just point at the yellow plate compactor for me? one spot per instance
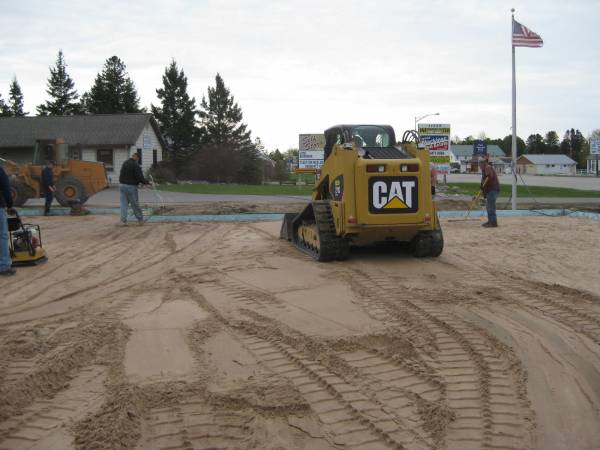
(25, 242)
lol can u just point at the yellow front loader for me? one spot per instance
(75, 180)
(371, 190)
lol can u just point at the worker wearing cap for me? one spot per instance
(490, 187)
(5, 205)
(48, 185)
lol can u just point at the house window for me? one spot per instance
(139, 152)
(105, 156)
(154, 157)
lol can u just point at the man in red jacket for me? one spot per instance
(490, 186)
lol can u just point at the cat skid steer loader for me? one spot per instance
(370, 190)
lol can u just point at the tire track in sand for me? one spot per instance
(44, 423)
(193, 423)
(112, 283)
(350, 414)
(406, 391)
(74, 258)
(484, 384)
(571, 307)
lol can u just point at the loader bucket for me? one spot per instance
(287, 226)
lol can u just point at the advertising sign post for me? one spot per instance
(310, 152)
(595, 149)
(479, 148)
(435, 137)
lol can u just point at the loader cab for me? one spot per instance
(362, 136)
(366, 136)
(50, 150)
(333, 136)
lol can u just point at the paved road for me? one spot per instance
(583, 183)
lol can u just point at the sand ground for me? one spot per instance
(219, 335)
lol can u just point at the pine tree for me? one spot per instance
(15, 99)
(4, 108)
(507, 145)
(552, 141)
(222, 126)
(61, 89)
(536, 144)
(222, 117)
(177, 114)
(113, 91)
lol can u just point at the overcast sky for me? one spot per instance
(302, 66)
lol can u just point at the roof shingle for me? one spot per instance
(101, 129)
(548, 159)
(467, 150)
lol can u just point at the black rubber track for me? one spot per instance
(332, 247)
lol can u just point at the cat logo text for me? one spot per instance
(395, 195)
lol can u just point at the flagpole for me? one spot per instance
(514, 117)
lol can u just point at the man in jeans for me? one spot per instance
(48, 185)
(130, 177)
(490, 186)
(5, 204)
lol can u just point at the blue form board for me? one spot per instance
(256, 217)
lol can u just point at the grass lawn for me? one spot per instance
(238, 189)
(464, 188)
(527, 191)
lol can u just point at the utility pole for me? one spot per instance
(514, 119)
(419, 118)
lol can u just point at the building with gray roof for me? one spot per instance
(546, 165)
(107, 138)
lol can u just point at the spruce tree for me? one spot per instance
(15, 99)
(176, 115)
(113, 91)
(61, 89)
(4, 108)
(222, 127)
(222, 117)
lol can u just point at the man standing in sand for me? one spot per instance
(130, 177)
(48, 185)
(490, 186)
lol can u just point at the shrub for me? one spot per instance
(163, 172)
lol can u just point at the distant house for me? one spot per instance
(107, 138)
(463, 155)
(546, 165)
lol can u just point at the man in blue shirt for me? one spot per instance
(48, 185)
(5, 204)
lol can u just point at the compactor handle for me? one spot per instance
(13, 212)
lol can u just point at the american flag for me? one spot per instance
(524, 37)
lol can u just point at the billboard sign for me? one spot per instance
(595, 146)
(435, 137)
(311, 152)
(479, 148)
